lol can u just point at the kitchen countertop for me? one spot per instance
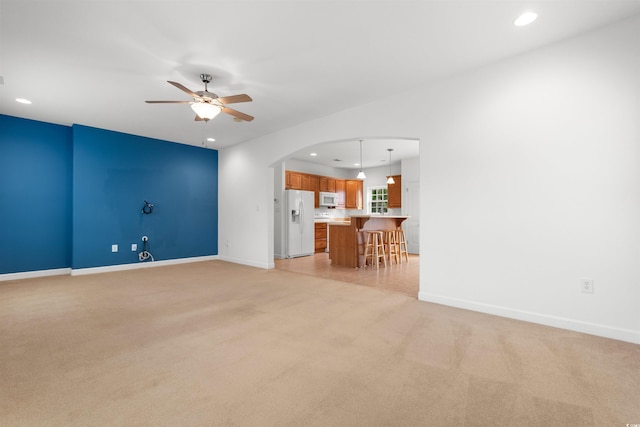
(379, 216)
(344, 223)
(333, 221)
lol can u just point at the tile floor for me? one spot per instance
(403, 278)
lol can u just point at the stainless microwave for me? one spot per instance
(328, 199)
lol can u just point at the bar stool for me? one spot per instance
(391, 245)
(374, 248)
(402, 245)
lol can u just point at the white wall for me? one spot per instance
(245, 221)
(279, 238)
(410, 169)
(530, 181)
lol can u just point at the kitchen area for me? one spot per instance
(322, 214)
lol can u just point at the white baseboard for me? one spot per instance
(146, 264)
(32, 274)
(268, 265)
(121, 267)
(605, 331)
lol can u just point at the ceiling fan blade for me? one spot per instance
(235, 98)
(168, 102)
(237, 114)
(184, 89)
(198, 118)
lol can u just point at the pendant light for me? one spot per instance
(390, 179)
(361, 174)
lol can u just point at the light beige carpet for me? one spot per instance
(219, 344)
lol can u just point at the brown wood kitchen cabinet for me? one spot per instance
(394, 192)
(341, 191)
(350, 191)
(321, 236)
(353, 199)
(314, 185)
(301, 181)
(327, 184)
(306, 182)
(293, 180)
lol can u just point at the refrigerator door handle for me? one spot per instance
(301, 208)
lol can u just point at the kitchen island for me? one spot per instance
(347, 239)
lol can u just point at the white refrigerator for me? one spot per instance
(300, 229)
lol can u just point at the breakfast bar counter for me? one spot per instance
(346, 239)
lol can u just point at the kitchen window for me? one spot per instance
(378, 199)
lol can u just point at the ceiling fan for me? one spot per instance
(207, 105)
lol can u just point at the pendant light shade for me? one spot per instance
(205, 110)
(390, 179)
(361, 174)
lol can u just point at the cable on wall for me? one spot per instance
(147, 208)
(145, 254)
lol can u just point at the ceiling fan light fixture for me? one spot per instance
(205, 111)
(207, 105)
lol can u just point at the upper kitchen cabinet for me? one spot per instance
(341, 191)
(306, 181)
(301, 181)
(314, 185)
(394, 192)
(350, 191)
(327, 184)
(293, 180)
(353, 199)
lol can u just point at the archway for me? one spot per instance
(340, 159)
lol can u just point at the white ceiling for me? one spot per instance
(346, 154)
(95, 62)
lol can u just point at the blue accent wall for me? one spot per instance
(68, 193)
(115, 173)
(35, 195)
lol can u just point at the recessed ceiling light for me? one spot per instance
(23, 101)
(525, 19)
(211, 139)
(356, 164)
(313, 154)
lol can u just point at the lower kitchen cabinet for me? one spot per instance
(321, 236)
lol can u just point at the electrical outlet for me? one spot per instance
(134, 247)
(114, 248)
(587, 286)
